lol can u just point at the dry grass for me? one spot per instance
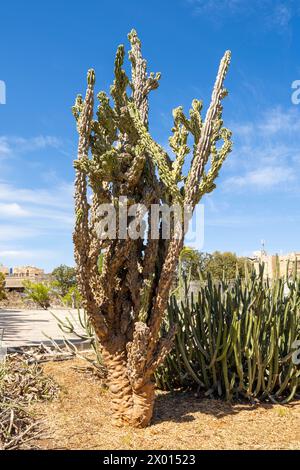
(21, 384)
(80, 419)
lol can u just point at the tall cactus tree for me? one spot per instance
(117, 158)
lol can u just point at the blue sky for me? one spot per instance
(46, 49)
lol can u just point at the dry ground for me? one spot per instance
(80, 419)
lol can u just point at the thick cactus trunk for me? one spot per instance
(143, 403)
(131, 404)
(114, 357)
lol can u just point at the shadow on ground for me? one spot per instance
(29, 327)
(180, 406)
(14, 322)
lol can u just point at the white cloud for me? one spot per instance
(14, 145)
(266, 152)
(231, 6)
(28, 213)
(282, 15)
(34, 143)
(32, 218)
(14, 232)
(5, 149)
(65, 218)
(12, 210)
(273, 13)
(58, 196)
(251, 220)
(279, 121)
(242, 130)
(263, 178)
(25, 255)
(274, 121)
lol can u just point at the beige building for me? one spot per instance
(27, 271)
(275, 265)
(15, 277)
(4, 270)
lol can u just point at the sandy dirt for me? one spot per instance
(80, 419)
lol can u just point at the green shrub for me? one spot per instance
(38, 292)
(2, 287)
(72, 298)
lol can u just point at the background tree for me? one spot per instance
(2, 287)
(227, 265)
(38, 292)
(64, 278)
(117, 157)
(72, 298)
(193, 262)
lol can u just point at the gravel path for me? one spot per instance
(27, 327)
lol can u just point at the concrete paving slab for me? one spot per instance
(27, 327)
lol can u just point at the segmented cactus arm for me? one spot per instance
(141, 83)
(159, 156)
(208, 135)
